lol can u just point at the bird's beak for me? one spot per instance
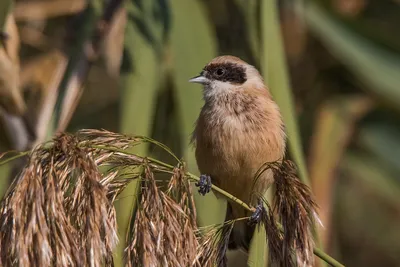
(199, 79)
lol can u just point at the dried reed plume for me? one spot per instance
(296, 210)
(164, 226)
(274, 235)
(214, 241)
(162, 234)
(59, 210)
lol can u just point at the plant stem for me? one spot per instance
(21, 154)
(328, 259)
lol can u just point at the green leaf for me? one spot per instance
(250, 11)
(376, 68)
(258, 249)
(258, 255)
(275, 72)
(193, 45)
(139, 83)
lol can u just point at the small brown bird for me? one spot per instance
(239, 129)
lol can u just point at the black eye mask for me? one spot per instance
(227, 72)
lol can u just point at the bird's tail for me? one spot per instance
(294, 208)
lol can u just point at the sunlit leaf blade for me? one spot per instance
(139, 82)
(376, 68)
(258, 255)
(250, 10)
(258, 250)
(275, 73)
(192, 46)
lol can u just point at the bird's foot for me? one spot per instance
(204, 184)
(256, 217)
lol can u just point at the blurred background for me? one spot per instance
(332, 65)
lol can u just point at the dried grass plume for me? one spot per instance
(59, 210)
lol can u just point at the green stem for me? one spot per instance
(328, 259)
(21, 154)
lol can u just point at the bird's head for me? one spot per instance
(226, 75)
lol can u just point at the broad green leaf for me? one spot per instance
(139, 82)
(376, 68)
(258, 249)
(274, 71)
(258, 255)
(192, 47)
(250, 10)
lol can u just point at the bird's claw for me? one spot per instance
(204, 184)
(256, 217)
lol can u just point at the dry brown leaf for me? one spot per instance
(10, 95)
(113, 42)
(42, 10)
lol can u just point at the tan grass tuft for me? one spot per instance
(57, 212)
(296, 209)
(274, 235)
(214, 244)
(162, 233)
(87, 203)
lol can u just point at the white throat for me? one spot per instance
(217, 89)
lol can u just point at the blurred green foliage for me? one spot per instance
(311, 53)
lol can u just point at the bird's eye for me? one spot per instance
(220, 72)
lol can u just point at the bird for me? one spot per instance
(239, 129)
